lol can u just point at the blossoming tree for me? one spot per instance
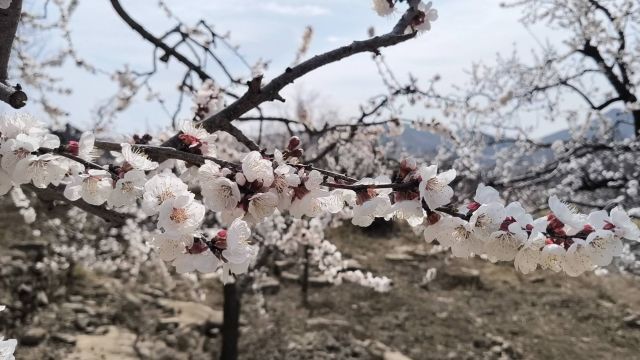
(177, 181)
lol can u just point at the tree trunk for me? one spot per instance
(304, 279)
(636, 121)
(231, 322)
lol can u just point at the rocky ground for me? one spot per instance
(472, 310)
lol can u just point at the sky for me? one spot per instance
(467, 31)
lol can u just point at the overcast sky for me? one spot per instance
(467, 31)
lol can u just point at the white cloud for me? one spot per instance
(296, 10)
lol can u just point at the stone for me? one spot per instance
(324, 322)
(33, 337)
(79, 308)
(64, 338)
(395, 355)
(25, 289)
(284, 264)
(42, 299)
(115, 343)
(190, 314)
(632, 321)
(398, 257)
(83, 323)
(352, 264)
(289, 276)
(454, 277)
(267, 285)
(319, 281)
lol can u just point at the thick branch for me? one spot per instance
(54, 194)
(9, 19)
(161, 153)
(257, 94)
(12, 95)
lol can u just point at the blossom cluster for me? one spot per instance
(422, 20)
(7, 347)
(247, 193)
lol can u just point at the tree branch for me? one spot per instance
(257, 94)
(52, 193)
(9, 19)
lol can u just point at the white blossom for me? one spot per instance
(181, 214)
(383, 7)
(220, 194)
(94, 187)
(434, 187)
(136, 159)
(409, 210)
(239, 252)
(160, 188)
(262, 205)
(255, 168)
(128, 189)
(40, 170)
(428, 16)
(313, 181)
(363, 215)
(567, 215)
(197, 137)
(7, 348)
(552, 257)
(623, 225)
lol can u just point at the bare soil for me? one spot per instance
(472, 310)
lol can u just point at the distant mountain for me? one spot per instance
(624, 128)
(416, 142)
(421, 143)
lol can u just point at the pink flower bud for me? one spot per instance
(294, 143)
(73, 147)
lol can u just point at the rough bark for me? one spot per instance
(9, 18)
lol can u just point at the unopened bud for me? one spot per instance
(473, 206)
(294, 143)
(73, 147)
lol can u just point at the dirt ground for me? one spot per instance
(472, 310)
